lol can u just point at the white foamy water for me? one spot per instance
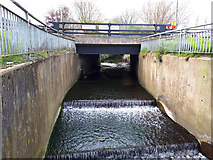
(119, 129)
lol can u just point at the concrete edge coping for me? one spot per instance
(181, 57)
(15, 67)
(21, 65)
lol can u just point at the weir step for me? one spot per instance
(109, 103)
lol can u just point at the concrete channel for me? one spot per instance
(32, 94)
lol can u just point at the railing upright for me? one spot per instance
(63, 24)
(109, 31)
(180, 41)
(2, 33)
(5, 32)
(210, 40)
(156, 27)
(204, 41)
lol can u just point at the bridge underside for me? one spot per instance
(132, 49)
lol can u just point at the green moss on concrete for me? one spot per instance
(144, 51)
(14, 59)
(17, 59)
(159, 53)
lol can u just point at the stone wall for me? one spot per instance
(31, 97)
(184, 89)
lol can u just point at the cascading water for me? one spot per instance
(119, 129)
(90, 128)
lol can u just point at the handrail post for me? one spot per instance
(63, 27)
(109, 31)
(180, 41)
(156, 28)
(27, 16)
(28, 35)
(2, 33)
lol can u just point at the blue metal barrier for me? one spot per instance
(109, 28)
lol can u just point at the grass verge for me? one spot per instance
(9, 61)
(182, 54)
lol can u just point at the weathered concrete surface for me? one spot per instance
(119, 40)
(31, 97)
(184, 87)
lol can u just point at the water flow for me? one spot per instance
(117, 127)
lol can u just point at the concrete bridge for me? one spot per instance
(89, 48)
(92, 44)
(108, 38)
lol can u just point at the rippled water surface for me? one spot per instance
(112, 117)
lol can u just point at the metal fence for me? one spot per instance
(20, 36)
(109, 29)
(196, 39)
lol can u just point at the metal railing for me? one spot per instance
(109, 28)
(197, 39)
(20, 36)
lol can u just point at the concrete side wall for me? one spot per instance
(31, 97)
(184, 88)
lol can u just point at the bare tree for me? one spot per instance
(159, 12)
(162, 12)
(182, 14)
(126, 17)
(86, 11)
(61, 14)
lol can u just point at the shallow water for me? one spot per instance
(111, 117)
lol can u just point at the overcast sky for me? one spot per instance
(200, 9)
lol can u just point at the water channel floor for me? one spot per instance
(117, 129)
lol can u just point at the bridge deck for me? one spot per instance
(118, 40)
(107, 45)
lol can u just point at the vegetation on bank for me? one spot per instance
(161, 52)
(109, 58)
(193, 44)
(9, 61)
